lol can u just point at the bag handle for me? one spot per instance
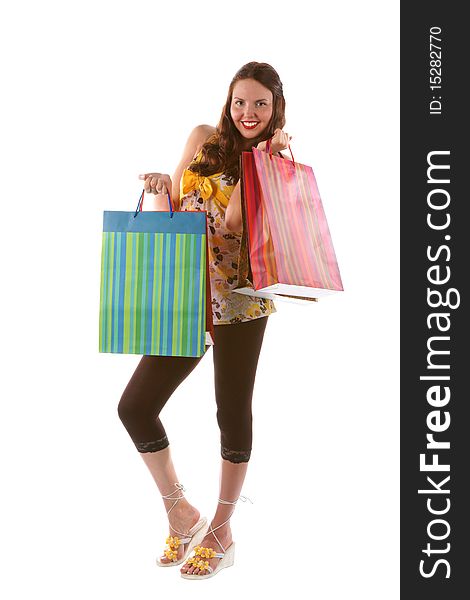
(141, 200)
(269, 149)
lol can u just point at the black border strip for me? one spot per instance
(435, 248)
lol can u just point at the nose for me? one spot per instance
(249, 112)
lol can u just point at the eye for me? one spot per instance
(238, 101)
(263, 103)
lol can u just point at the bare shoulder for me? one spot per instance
(207, 129)
(196, 139)
(202, 133)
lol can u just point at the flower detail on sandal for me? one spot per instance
(171, 554)
(226, 557)
(173, 544)
(198, 563)
(193, 537)
(205, 552)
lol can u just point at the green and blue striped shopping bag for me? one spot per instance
(155, 289)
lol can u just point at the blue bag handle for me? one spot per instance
(141, 199)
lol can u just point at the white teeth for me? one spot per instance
(250, 123)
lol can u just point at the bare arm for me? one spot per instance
(233, 212)
(154, 183)
(196, 139)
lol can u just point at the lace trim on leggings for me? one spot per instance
(236, 456)
(154, 446)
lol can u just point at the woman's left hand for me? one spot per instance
(279, 141)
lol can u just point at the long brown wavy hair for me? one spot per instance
(221, 152)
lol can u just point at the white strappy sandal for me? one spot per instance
(201, 554)
(192, 538)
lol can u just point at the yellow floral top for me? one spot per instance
(212, 194)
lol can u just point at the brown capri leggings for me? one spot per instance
(235, 353)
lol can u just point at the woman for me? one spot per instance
(207, 178)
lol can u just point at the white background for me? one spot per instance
(94, 93)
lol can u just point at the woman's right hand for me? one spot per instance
(279, 141)
(156, 183)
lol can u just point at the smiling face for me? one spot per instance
(251, 108)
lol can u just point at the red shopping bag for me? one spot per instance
(286, 245)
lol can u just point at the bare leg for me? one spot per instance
(183, 515)
(147, 392)
(232, 476)
(237, 344)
